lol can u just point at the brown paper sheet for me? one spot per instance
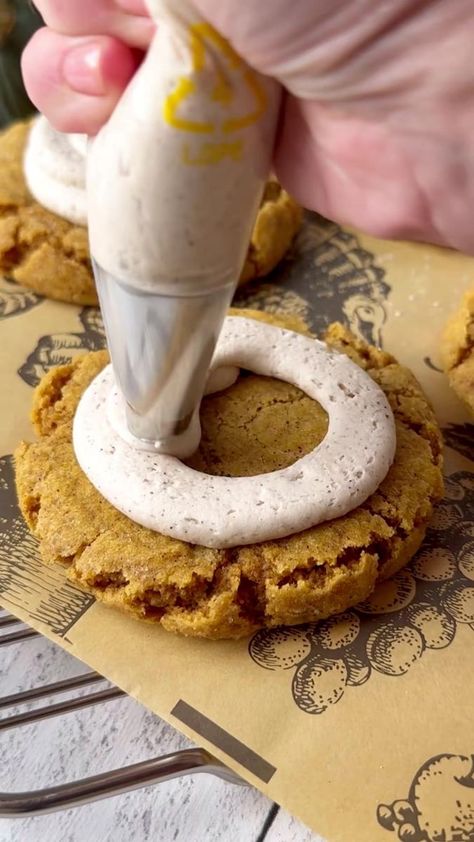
(401, 722)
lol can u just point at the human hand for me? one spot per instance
(77, 66)
(376, 128)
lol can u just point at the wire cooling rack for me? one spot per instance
(85, 790)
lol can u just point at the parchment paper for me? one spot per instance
(395, 720)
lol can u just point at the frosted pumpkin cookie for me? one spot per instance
(255, 426)
(50, 254)
(457, 351)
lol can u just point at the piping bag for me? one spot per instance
(174, 181)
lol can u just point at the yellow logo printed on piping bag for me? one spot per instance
(222, 94)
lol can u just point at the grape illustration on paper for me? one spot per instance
(419, 609)
(440, 803)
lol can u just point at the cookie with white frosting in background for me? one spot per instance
(43, 237)
(457, 351)
(255, 426)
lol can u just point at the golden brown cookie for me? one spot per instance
(278, 221)
(51, 255)
(257, 425)
(457, 351)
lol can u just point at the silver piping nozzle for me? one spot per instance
(161, 348)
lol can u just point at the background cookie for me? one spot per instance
(37, 248)
(51, 255)
(457, 351)
(278, 220)
(257, 425)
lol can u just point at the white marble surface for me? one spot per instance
(198, 809)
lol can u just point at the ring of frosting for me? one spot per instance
(165, 495)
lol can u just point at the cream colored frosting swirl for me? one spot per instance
(163, 494)
(55, 171)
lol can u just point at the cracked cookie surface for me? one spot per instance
(457, 351)
(257, 425)
(51, 255)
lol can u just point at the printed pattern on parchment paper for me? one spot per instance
(440, 803)
(333, 270)
(418, 609)
(24, 580)
(61, 348)
(460, 437)
(15, 300)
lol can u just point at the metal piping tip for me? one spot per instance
(161, 347)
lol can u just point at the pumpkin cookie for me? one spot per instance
(50, 255)
(457, 351)
(257, 425)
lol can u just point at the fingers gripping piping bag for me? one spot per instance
(175, 179)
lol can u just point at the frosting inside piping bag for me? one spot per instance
(176, 176)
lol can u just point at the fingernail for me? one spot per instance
(82, 69)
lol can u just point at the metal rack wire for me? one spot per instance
(106, 784)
